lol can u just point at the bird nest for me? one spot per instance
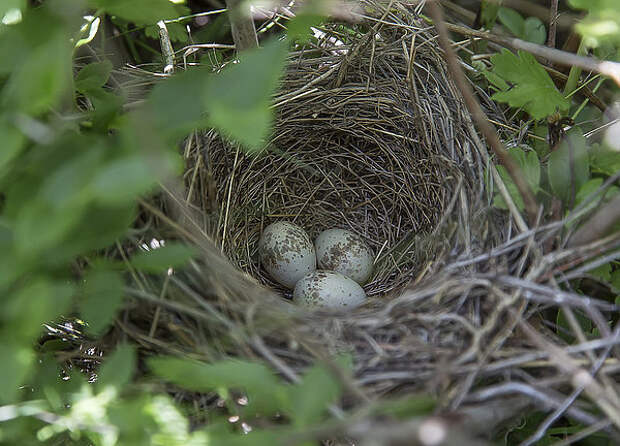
(378, 148)
(371, 136)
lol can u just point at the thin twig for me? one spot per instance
(553, 23)
(487, 129)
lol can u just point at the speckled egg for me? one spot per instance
(344, 252)
(286, 252)
(328, 289)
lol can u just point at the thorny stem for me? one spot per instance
(487, 129)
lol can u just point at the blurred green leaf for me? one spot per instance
(42, 79)
(38, 302)
(93, 76)
(140, 12)
(176, 104)
(243, 112)
(602, 24)
(157, 260)
(311, 397)
(118, 368)
(263, 389)
(13, 141)
(123, 180)
(17, 360)
(102, 297)
(512, 20)
(534, 31)
(568, 167)
(530, 86)
(530, 168)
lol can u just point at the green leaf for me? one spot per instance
(602, 272)
(512, 20)
(174, 106)
(18, 361)
(40, 81)
(157, 260)
(243, 112)
(118, 368)
(93, 76)
(530, 85)
(615, 280)
(262, 387)
(409, 406)
(38, 302)
(140, 12)
(604, 160)
(530, 168)
(568, 167)
(311, 397)
(102, 297)
(534, 31)
(298, 28)
(13, 141)
(488, 13)
(122, 180)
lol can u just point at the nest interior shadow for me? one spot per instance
(369, 137)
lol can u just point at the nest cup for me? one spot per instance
(369, 137)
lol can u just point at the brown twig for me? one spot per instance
(553, 23)
(599, 224)
(487, 129)
(604, 67)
